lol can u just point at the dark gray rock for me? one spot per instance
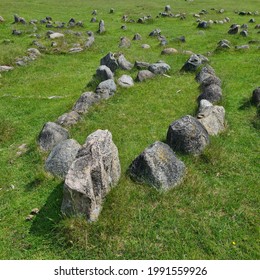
(94, 13)
(61, 157)
(203, 24)
(124, 63)
(141, 65)
(106, 87)
(125, 81)
(169, 51)
(102, 28)
(212, 93)
(242, 47)
(137, 36)
(104, 73)
(256, 96)
(223, 44)
(187, 135)
(156, 32)
(233, 30)
(204, 73)
(86, 100)
(192, 64)
(210, 79)
(144, 75)
(93, 20)
(167, 8)
(244, 33)
(50, 135)
(69, 119)
(91, 176)
(110, 61)
(158, 167)
(159, 68)
(211, 117)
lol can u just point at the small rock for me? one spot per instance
(141, 65)
(69, 119)
(29, 217)
(86, 100)
(110, 61)
(101, 27)
(35, 211)
(125, 81)
(137, 36)
(124, 42)
(144, 75)
(107, 86)
(104, 73)
(159, 68)
(212, 93)
(256, 96)
(123, 63)
(169, 51)
(145, 46)
(5, 68)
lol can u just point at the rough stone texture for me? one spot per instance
(211, 117)
(124, 63)
(91, 176)
(212, 93)
(5, 68)
(101, 26)
(61, 157)
(210, 79)
(158, 167)
(141, 65)
(169, 51)
(104, 73)
(56, 35)
(107, 86)
(110, 61)
(124, 42)
(159, 68)
(33, 53)
(187, 135)
(233, 30)
(144, 75)
(256, 96)
(137, 37)
(204, 73)
(125, 81)
(68, 119)
(90, 40)
(192, 63)
(86, 100)
(50, 135)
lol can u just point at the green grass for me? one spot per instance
(217, 204)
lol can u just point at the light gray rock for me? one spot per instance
(145, 46)
(141, 65)
(86, 100)
(169, 51)
(91, 176)
(104, 73)
(61, 157)
(56, 35)
(50, 135)
(158, 167)
(33, 53)
(212, 93)
(187, 135)
(159, 68)
(110, 61)
(125, 81)
(102, 28)
(124, 42)
(124, 63)
(211, 117)
(76, 50)
(5, 68)
(144, 75)
(204, 73)
(210, 79)
(69, 119)
(107, 86)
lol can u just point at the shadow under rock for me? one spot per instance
(49, 215)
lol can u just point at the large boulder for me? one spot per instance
(50, 135)
(110, 61)
(61, 157)
(159, 68)
(86, 100)
(211, 117)
(104, 73)
(106, 88)
(158, 167)
(204, 73)
(212, 93)
(91, 176)
(187, 135)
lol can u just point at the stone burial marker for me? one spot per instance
(91, 176)
(187, 135)
(158, 167)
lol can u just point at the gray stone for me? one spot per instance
(124, 63)
(56, 35)
(76, 50)
(1, 19)
(5, 68)
(155, 32)
(233, 30)
(110, 61)
(211, 117)
(124, 42)
(91, 176)
(203, 24)
(86, 100)
(192, 64)
(169, 51)
(145, 46)
(256, 96)
(242, 47)
(244, 33)
(187, 135)
(101, 27)
(158, 167)
(204, 73)
(137, 37)
(50, 135)
(104, 73)
(167, 8)
(159, 68)
(141, 65)
(61, 157)
(69, 119)
(90, 40)
(94, 19)
(144, 75)
(107, 86)
(212, 93)
(125, 81)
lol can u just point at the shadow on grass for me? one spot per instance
(246, 104)
(49, 215)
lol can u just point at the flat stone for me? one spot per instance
(5, 68)
(56, 35)
(159, 68)
(69, 119)
(86, 100)
(125, 81)
(169, 51)
(144, 75)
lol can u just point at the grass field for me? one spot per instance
(213, 214)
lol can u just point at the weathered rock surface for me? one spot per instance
(56, 35)
(124, 63)
(106, 88)
(5, 68)
(110, 61)
(159, 68)
(50, 135)
(104, 73)
(187, 135)
(68, 119)
(141, 65)
(211, 117)
(61, 157)
(256, 96)
(192, 64)
(212, 93)
(144, 75)
(137, 37)
(169, 51)
(102, 28)
(125, 81)
(91, 176)
(86, 100)
(158, 167)
(204, 73)
(124, 42)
